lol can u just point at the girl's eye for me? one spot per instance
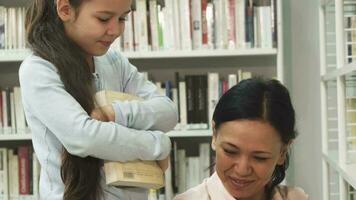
(103, 19)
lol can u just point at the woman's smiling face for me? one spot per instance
(247, 152)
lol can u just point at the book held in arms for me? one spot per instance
(138, 173)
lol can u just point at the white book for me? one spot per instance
(256, 28)
(204, 160)
(182, 105)
(4, 190)
(232, 80)
(19, 112)
(230, 14)
(13, 173)
(2, 27)
(154, 24)
(160, 89)
(13, 31)
(13, 115)
(143, 31)
(193, 172)
(240, 23)
(6, 20)
(176, 25)
(161, 24)
(23, 10)
(246, 75)
(182, 168)
(219, 24)
(224, 23)
(20, 28)
(196, 16)
(140, 26)
(210, 25)
(213, 93)
(242, 75)
(184, 14)
(168, 26)
(6, 126)
(168, 189)
(175, 98)
(128, 35)
(36, 176)
(266, 26)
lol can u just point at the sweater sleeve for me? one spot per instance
(45, 98)
(156, 112)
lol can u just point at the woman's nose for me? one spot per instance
(242, 166)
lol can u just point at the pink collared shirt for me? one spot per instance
(213, 189)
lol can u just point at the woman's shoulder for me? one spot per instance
(290, 192)
(197, 192)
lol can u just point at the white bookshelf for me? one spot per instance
(19, 55)
(347, 171)
(13, 55)
(338, 92)
(172, 134)
(190, 133)
(15, 137)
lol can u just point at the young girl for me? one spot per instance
(71, 60)
(253, 127)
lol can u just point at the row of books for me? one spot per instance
(199, 24)
(197, 95)
(12, 116)
(19, 174)
(194, 95)
(12, 27)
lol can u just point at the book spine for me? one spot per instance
(196, 8)
(24, 179)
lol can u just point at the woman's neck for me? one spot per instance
(261, 195)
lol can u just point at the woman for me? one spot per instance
(253, 127)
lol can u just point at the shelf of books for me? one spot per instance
(191, 30)
(338, 89)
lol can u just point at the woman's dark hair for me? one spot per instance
(265, 100)
(46, 37)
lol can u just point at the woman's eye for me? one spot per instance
(124, 18)
(228, 151)
(261, 158)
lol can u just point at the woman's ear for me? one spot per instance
(284, 153)
(64, 10)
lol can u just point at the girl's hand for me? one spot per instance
(163, 164)
(105, 113)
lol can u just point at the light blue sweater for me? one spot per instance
(57, 120)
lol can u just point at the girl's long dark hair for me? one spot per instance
(266, 100)
(47, 39)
